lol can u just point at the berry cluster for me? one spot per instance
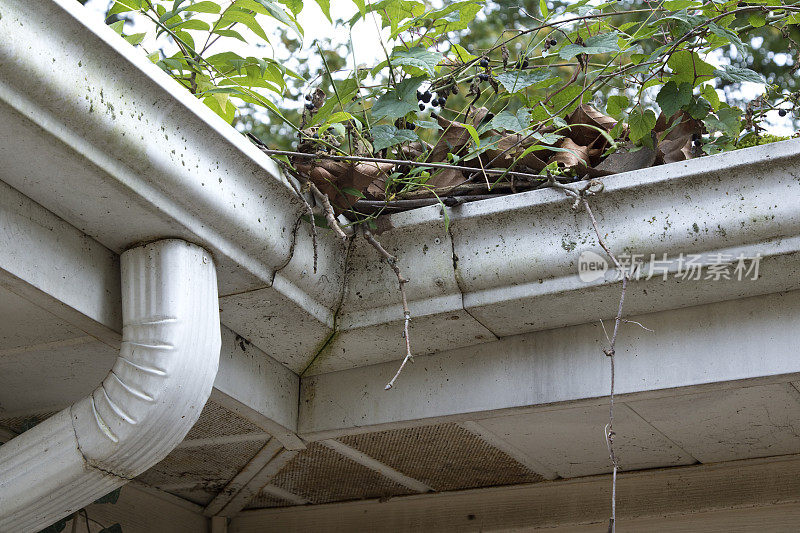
(548, 43)
(427, 97)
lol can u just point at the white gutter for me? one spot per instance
(142, 409)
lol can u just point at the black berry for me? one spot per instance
(426, 96)
(553, 42)
(484, 62)
(411, 126)
(782, 112)
(525, 63)
(419, 96)
(422, 107)
(309, 106)
(442, 101)
(483, 76)
(316, 136)
(308, 97)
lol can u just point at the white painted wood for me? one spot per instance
(728, 425)
(49, 377)
(219, 524)
(515, 453)
(243, 478)
(571, 441)
(288, 438)
(243, 497)
(376, 466)
(665, 500)
(284, 494)
(253, 380)
(58, 267)
(140, 510)
(704, 347)
(224, 439)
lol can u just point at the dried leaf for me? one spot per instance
(335, 177)
(577, 157)
(454, 139)
(586, 114)
(625, 161)
(676, 144)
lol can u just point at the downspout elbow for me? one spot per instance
(143, 408)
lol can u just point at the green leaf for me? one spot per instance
(727, 121)
(616, 105)
(352, 191)
(247, 19)
(519, 80)
(757, 20)
(203, 7)
(230, 33)
(362, 8)
(385, 135)
(543, 8)
(325, 6)
(417, 57)
(710, 94)
(396, 103)
(673, 97)
(428, 124)
(295, 6)
(698, 108)
(462, 54)
(738, 74)
(641, 123)
(505, 120)
(135, 38)
(473, 133)
(687, 67)
(676, 5)
(191, 24)
(117, 26)
(599, 44)
(111, 497)
(124, 6)
(279, 14)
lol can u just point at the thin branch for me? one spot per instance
(394, 161)
(330, 215)
(610, 352)
(392, 260)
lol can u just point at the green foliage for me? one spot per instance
(529, 63)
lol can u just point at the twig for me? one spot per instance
(580, 194)
(392, 260)
(330, 215)
(396, 162)
(610, 352)
(401, 205)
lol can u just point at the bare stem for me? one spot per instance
(610, 352)
(330, 215)
(392, 260)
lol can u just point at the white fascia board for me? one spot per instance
(721, 345)
(509, 265)
(100, 136)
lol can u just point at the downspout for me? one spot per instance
(143, 408)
